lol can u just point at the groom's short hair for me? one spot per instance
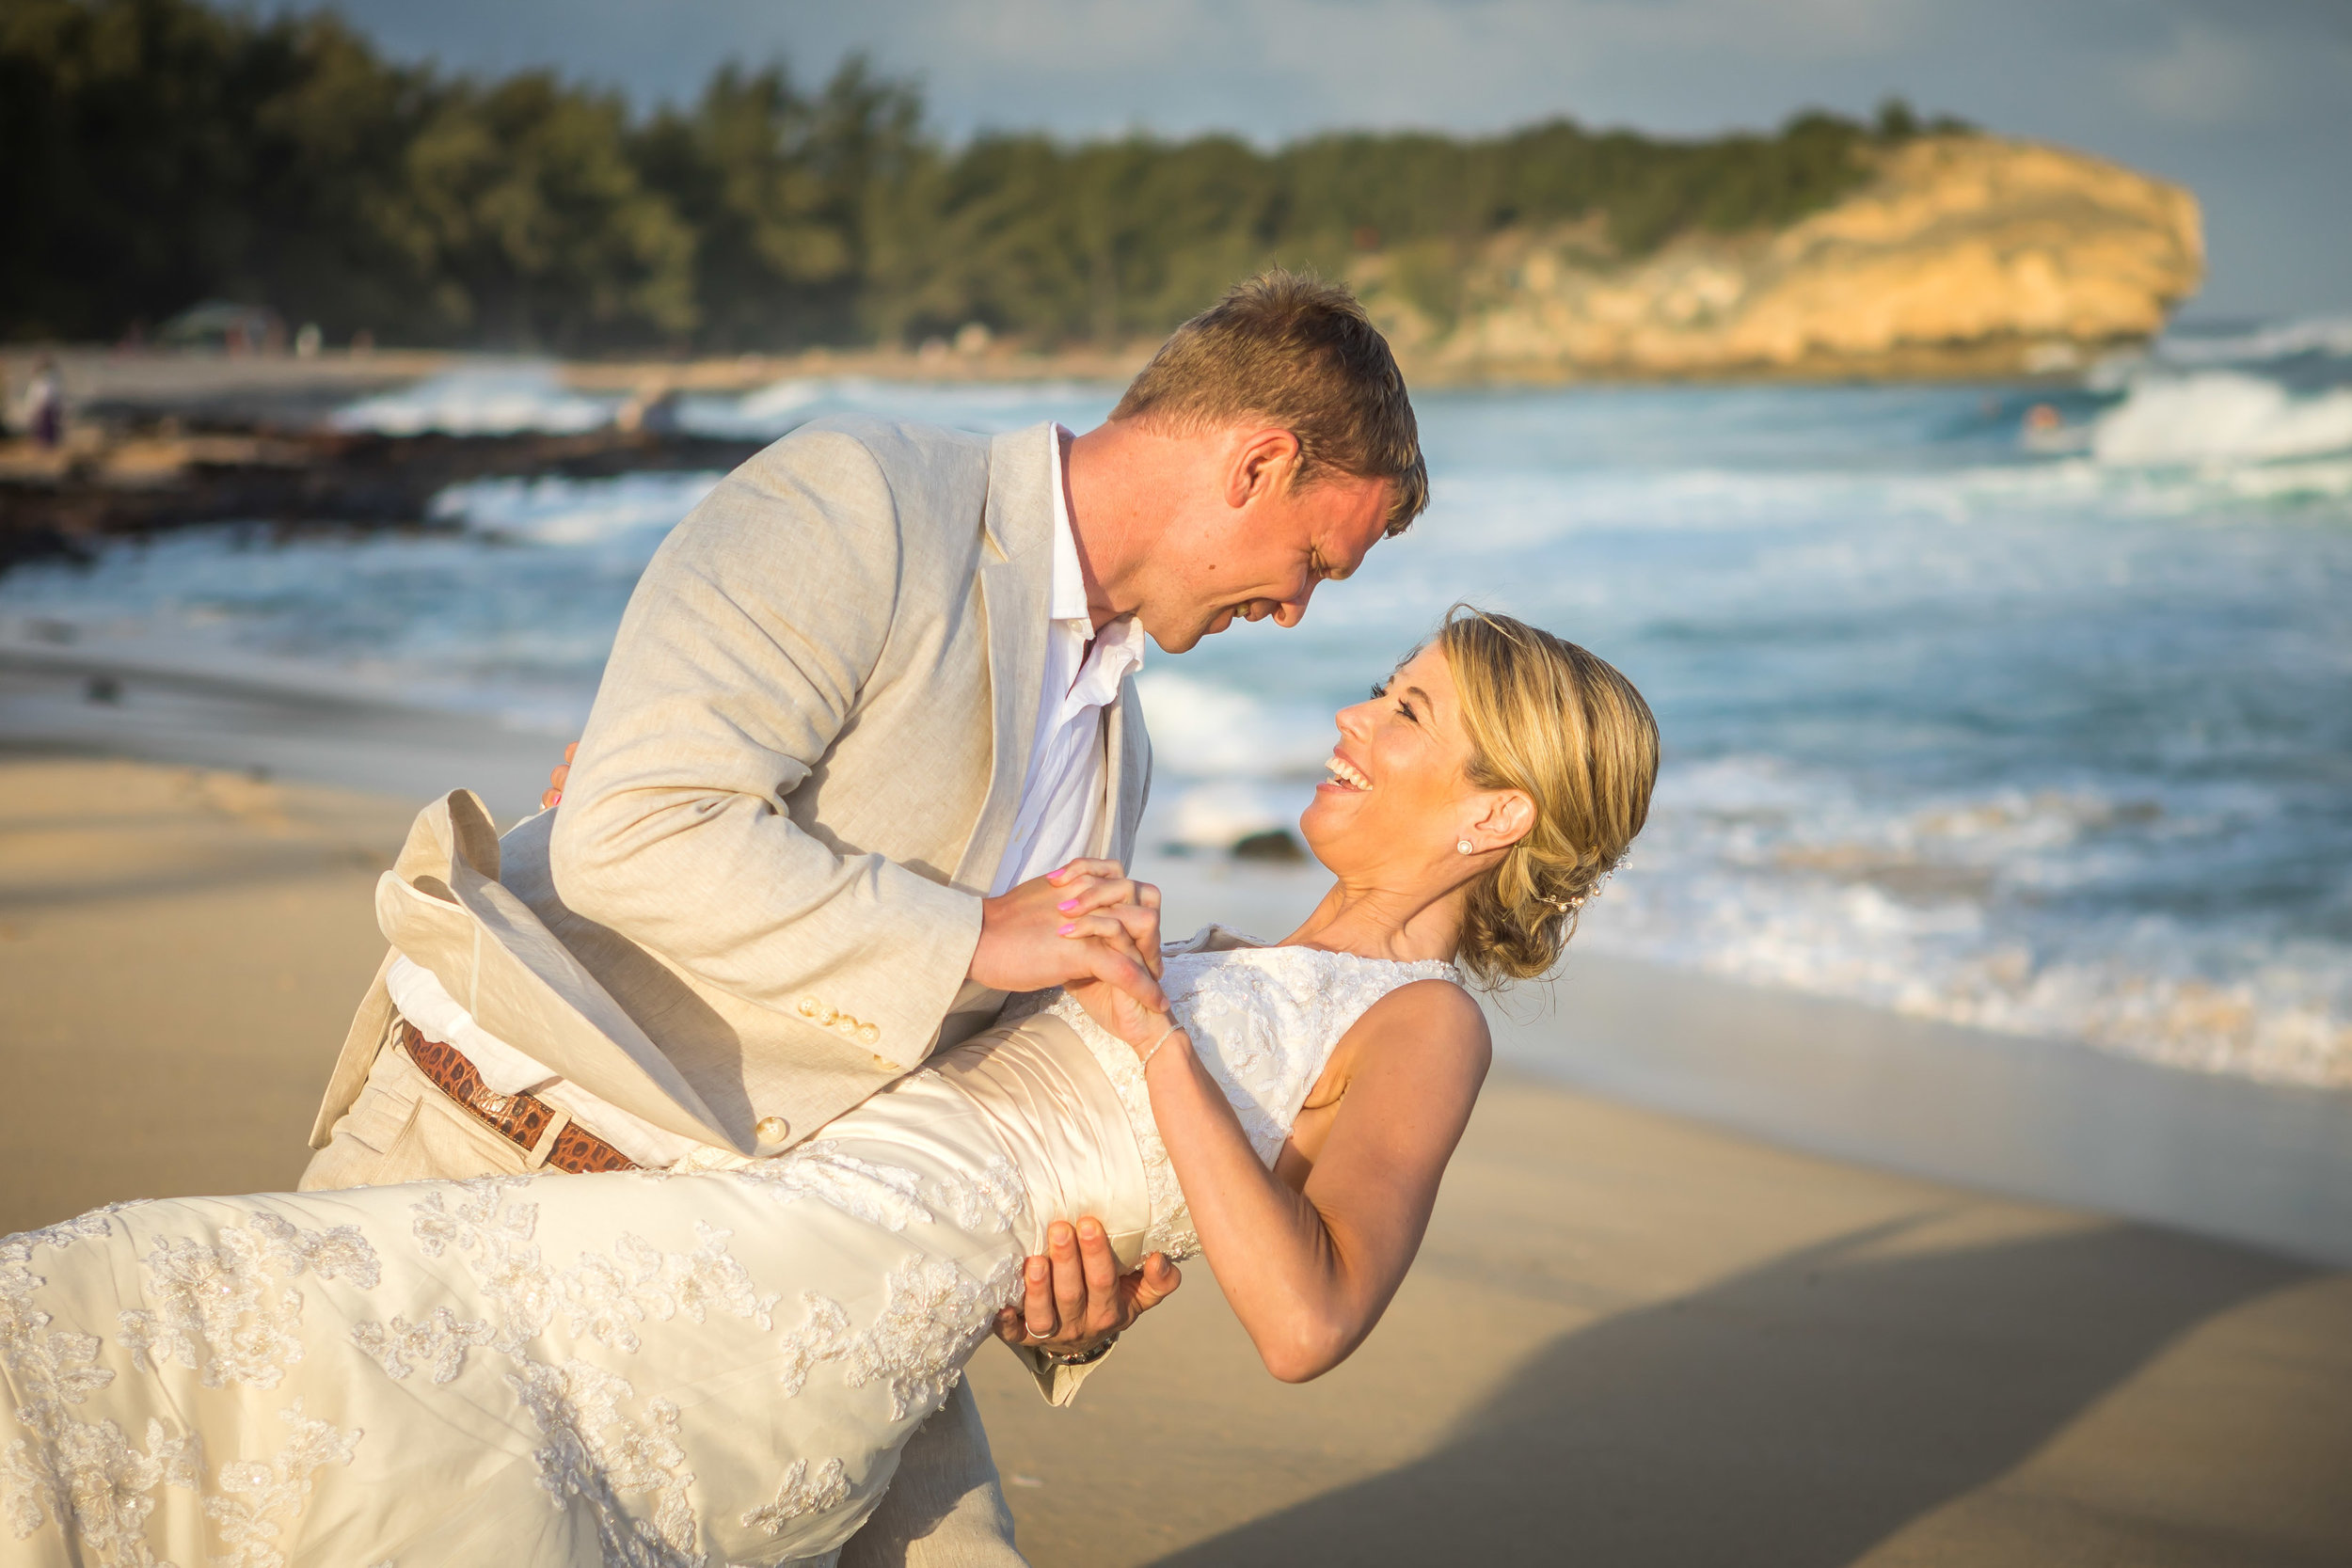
(1294, 350)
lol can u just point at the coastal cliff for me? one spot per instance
(1962, 255)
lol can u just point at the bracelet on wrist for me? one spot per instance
(1084, 1358)
(1173, 1029)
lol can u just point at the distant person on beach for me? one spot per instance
(865, 699)
(733, 1360)
(41, 416)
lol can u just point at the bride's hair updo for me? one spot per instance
(1548, 718)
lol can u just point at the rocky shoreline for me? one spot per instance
(66, 502)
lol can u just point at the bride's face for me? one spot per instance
(1399, 799)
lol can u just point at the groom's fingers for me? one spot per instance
(1106, 1313)
(1154, 1283)
(1037, 1298)
(1070, 1280)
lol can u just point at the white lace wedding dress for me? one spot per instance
(706, 1367)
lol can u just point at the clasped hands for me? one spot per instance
(1090, 926)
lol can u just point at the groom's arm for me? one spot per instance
(740, 659)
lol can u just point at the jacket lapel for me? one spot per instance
(1127, 762)
(1016, 581)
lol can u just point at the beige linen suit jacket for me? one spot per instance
(755, 907)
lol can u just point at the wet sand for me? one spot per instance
(1631, 1339)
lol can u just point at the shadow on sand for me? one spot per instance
(1789, 1417)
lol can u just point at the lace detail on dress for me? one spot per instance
(801, 1494)
(218, 1306)
(440, 1344)
(219, 1311)
(1263, 1020)
(593, 1451)
(933, 1314)
(257, 1500)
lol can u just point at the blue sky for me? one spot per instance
(2247, 102)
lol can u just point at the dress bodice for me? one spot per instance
(1262, 1019)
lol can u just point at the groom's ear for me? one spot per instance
(1508, 818)
(1260, 463)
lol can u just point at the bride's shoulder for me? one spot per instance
(1434, 1013)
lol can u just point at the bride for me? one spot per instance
(720, 1366)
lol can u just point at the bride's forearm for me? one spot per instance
(1276, 1257)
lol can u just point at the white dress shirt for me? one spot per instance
(1062, 794)
(1060, 812)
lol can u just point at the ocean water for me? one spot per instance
(2040, 721)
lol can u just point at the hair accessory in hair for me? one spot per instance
(1564, 905)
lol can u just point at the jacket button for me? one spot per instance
(867, 1034)
(843, 1023)
(810, 1007)
(772, 1130)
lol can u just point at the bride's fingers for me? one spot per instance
(1142, 924)
(1085, 893)
(1137, 905)
(1118, 969)
(1147, 896)
(1107, 930)
(1085, 868)
(1129, 928)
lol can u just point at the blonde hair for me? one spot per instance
(1551, 720)
(1288, 348)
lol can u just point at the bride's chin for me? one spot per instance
(1321, 839)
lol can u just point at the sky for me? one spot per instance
(2248, 103)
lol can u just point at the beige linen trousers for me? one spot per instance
(756, 904)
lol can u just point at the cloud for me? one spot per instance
(2200, 77)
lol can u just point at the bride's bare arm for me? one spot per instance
(1309, 1271)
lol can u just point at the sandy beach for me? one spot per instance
(1631, 1339)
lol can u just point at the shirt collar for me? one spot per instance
(1069, 598)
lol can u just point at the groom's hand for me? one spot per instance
(1087, 921)
(1074, 1298)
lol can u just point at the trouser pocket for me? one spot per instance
(402, 1129)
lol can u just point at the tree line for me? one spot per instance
(158, 152)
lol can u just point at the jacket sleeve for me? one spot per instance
(739, 662)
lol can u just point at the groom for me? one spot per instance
(870, 701)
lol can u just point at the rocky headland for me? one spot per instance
(1963, 255)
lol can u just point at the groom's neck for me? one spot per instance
(1120, 480)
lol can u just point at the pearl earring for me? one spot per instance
(1463, 845)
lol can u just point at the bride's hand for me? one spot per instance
(1121, 1014)
(1110, 907)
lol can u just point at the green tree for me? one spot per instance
(154, 152)
(538, 231)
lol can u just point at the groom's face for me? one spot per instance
(1251, 546)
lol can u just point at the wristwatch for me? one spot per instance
(1086, 1358)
